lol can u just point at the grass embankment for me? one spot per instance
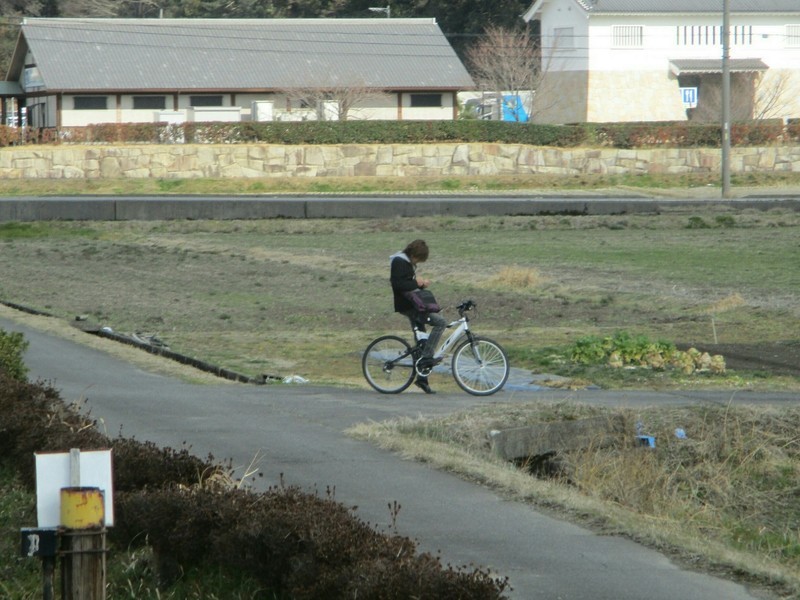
(654, 183)
(723, 498)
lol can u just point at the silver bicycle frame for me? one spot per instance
(463, 327)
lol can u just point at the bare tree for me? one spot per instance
(772, 96)
(754, 97)
(336, 102)
(506, 60)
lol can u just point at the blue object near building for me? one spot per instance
(513, 109)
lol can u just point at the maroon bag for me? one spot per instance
(423, 300)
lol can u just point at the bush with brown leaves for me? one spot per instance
(299, 545)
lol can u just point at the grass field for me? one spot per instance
(303, 297)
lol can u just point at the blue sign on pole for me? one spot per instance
(689, 97)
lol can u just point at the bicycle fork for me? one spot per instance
(473, 347)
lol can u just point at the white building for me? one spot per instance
(649, 60)
(76, 72)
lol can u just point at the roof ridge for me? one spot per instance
(372, 20)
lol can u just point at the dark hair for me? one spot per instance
(417, 249)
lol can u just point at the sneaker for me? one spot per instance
(423, 385)
(427, 362)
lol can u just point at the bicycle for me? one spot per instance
(479, 365)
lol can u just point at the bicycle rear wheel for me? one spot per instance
(480, 367)
(388, 364)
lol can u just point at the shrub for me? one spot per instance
(793, 130)
(194, 515)
(10, 136)
(622, 349)
(12, 347)
(306, 546)
(697, 223)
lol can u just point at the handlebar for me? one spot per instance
(465, 306)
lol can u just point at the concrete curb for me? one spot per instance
(157, 208)
(152, 349)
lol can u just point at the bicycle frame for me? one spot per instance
(462, 329)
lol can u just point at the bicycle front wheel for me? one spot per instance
(480, 367)
(388, 364)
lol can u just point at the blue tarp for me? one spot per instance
(513, 109)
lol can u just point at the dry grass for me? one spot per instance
(694, 184)
(727, 303)
(725, 497)
(517, 278)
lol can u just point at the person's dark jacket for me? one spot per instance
(403, 279)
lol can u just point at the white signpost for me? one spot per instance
(76, 469)
(77, 477)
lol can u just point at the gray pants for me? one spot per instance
(438, 324)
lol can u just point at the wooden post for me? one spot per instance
(83, 569)
(48, 571)
(42, 543)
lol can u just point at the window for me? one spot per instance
(563, 39)
(426, 100)
(90, 102)
(627, 36)
(742, 35)
(710, 35)
(793, 36)
(149, 102)
(698, 35)
(205, 100)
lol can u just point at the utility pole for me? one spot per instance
(726, 99)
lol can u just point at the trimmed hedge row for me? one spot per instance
(677, 134)
(192, 514)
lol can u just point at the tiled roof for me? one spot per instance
(681, 6)
(239, 54)
(689, 6)
(736, 65)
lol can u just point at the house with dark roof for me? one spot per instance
(74, 72)
(661, 60)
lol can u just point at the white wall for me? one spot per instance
(660, 41)
(564, 54)
(378, 107)
(635, 83)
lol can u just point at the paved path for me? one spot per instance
(298, 430)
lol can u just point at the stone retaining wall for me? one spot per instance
(387, 160)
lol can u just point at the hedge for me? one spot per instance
(668, 134)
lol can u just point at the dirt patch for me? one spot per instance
(777, 358)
